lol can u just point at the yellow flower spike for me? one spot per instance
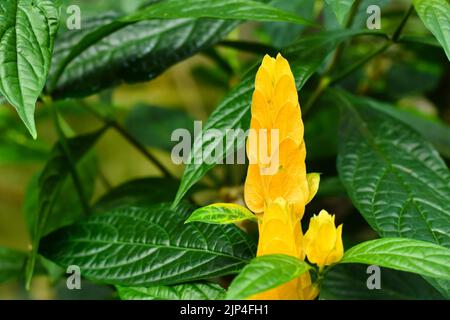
(280, 232)
(275, 107)
(323, 241)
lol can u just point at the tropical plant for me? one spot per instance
(97, 98)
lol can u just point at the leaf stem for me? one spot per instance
(114, 124)
(72, 165)
(402, 24)
(326, 80)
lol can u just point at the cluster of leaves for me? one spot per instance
(388, 160)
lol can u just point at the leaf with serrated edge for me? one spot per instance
(435, 15)
(218, 9)
(221, 213)
(147, 246)
(424, 258)
(142, 51)
(27, 32)
(186, 291)
(264, 273)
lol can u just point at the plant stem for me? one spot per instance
(402, 24)
(114, 124)
(72, 165)
(359, 63)
(326, 80)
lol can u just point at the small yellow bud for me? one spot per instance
(323, 241)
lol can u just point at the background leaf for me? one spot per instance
(149, 246)
(396, 180)
(341, 8)
(435, 14)
(424, 258)
(27, 32)
(349, 282)
(142, 51)
(153, 126)
(139, 192)
(186, 291)
(218, 9)
(264, 273)
(11, 264)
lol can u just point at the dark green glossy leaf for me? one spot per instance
(50, 183)
(218, 9)
(11, 264)
(422, 257)
(396, 179)
(27, 32)
(434, 131)
(264, 273)
(147, 246)
(142, 50)
(349, 282)
(186, 291)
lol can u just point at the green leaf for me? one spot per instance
(186, 291)
(435, 132)
(221, 213)
(421, 257)
(153, 126)
(396, 179)
(139, 192)
(27, 32)
(11, 264)
(50, 183)
(142, 51)
(349, 282)
(282, 34)
(218, 9)
(148, 246)
(435, 15)
(233, 112)
(341, 8)
(264, 273)
(67, 207)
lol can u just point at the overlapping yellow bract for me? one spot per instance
(280, 232)
(323, 241)
(275, 106)
(280, 197)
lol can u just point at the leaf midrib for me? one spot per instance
(158, 246)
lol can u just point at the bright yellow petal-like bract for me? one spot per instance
(277, 186)
(323, 241)
(275, 107)
(280, 232)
